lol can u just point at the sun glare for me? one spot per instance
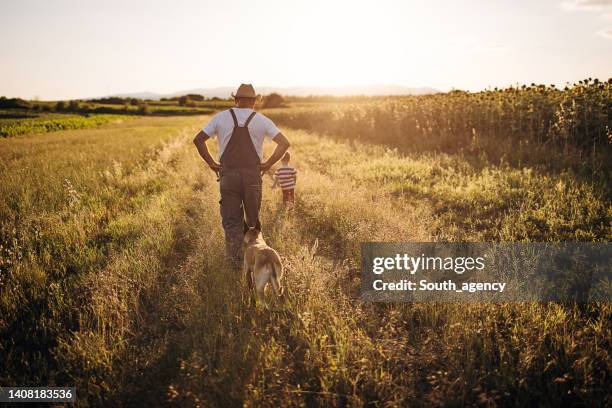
(363, 47)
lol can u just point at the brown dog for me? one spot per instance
(261, 264)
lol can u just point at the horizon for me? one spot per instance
(279, 89)
(304, 88)
(73, 50)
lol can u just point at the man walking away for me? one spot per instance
(240, 133)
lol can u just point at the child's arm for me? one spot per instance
(275, 184)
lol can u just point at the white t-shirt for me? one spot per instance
(221, 126)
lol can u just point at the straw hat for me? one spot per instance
(246, 91)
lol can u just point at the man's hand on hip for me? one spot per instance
(214, 166)
(282, 144)
(265, 166)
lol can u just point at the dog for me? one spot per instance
(262, 265)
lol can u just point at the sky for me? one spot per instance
(64, 49)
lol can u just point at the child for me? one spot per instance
(286, 176)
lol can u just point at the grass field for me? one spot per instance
(112, 276)
(18, 108)
(25, 122)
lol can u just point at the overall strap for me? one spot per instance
(246, 124)
(234, 117)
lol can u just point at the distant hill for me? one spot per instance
(139, 95)
(225, 92)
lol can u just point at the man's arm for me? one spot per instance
(282, 144)
(200, 141)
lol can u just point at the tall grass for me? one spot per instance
(329, 348)
(112, 278)
(75, 204)
(533, 124)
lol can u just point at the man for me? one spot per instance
(240, 133)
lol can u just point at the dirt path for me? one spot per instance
(199, 342)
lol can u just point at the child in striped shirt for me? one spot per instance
(286, 176)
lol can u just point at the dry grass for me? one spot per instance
(115, 280)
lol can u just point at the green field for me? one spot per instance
(96, 109)
(112, 276)
(44, 123)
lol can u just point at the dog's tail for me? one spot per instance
(277, 272)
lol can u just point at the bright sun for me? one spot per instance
(363, 46)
